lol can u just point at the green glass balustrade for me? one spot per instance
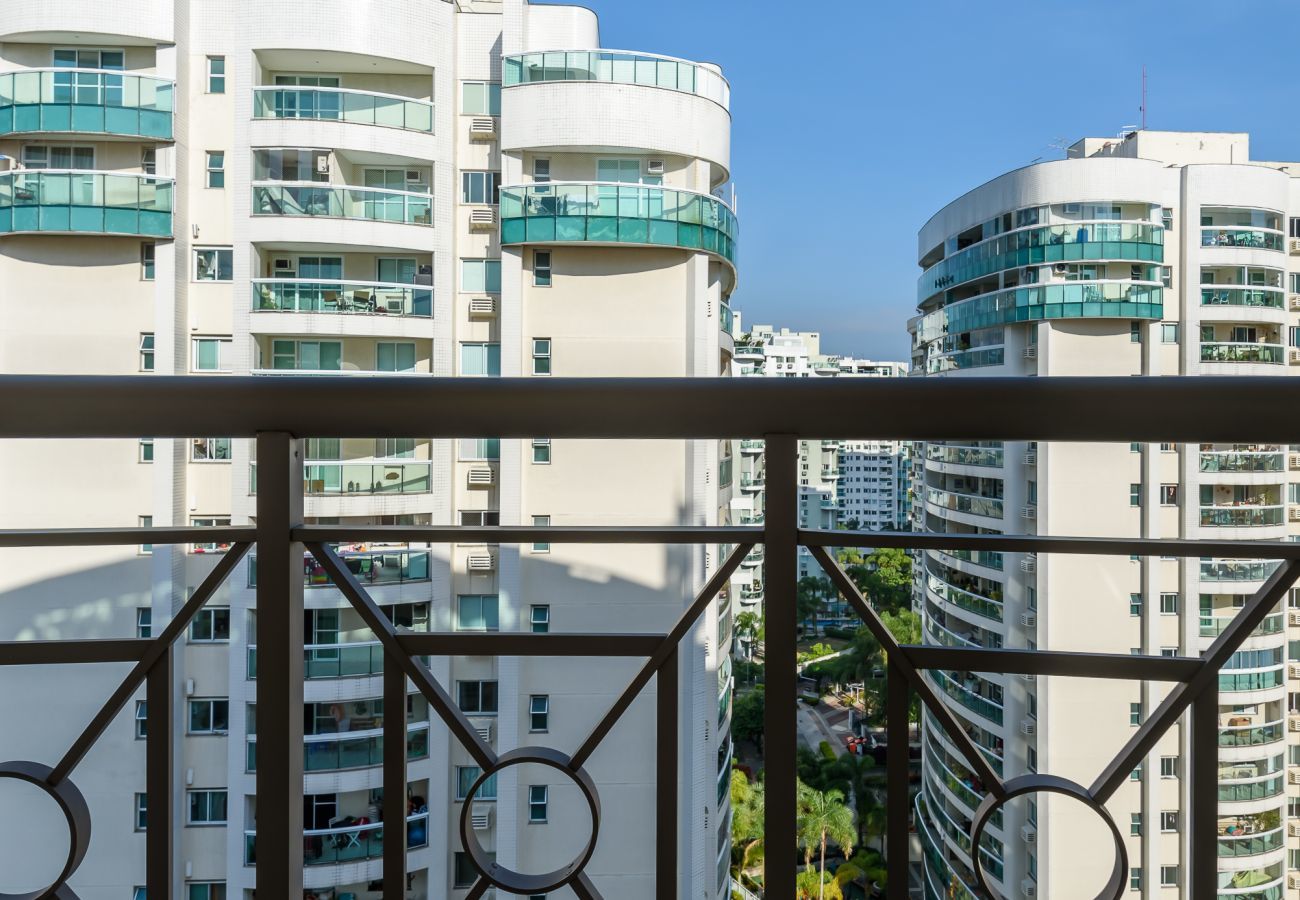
(616, 67)
(342, 105)
(332, 846)
(335, 752)
(1271, 354)
(1242, 296)
(341, 297)
(86, 101)
(1249, 238)
(85, 202)
(341, 202)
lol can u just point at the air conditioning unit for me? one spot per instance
(1295, 460)
(1293, 671)
(1295, 245)
(482, 218)
(322, 165)
(1028, 726)
(1295, 302)
(1028, 833)
(1031, 352)
(1028, 676)
(1029, 620)
(484, 730)
(482, 306)
(482, 128)
(1293, 776)
(1031, 457)
(1029, 563)
(1293, 881)
(654, 167)
(481, 476)
(481, 818)
(1293, 514)
(1029, 888)
(1293, 723)
(283, 268)
(1293, 618)
(1030, 512)
(1294, 355)
(481, 562)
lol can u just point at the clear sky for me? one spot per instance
(854, 121)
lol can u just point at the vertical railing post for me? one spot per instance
(1202, 831)
(160, 779)
(897, 748)
(780, 720)
(667, 831)
(394, 780)
(280, 666)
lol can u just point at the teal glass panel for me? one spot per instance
(633, 231)
(541, 228)
(689, 236)
(663, 232)
(512, 231)
(570, 228)
(603, 229)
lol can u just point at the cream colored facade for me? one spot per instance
(1146, 255)
(346, 189)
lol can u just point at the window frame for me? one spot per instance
(541, 546)
(148, 261)
(463, 784)
(488, 185)
(543, 445)
(210, 615)
(219, 252)
(209, 794)
(144, 453)
(539, 711)
(543, 620)
(141, 720)
(212, 703)
(215, 173)
(543, 272)
(491, 99)
(482, 599)
(147, 347)
(141, 811)
(534, 805)
(461, 684)
(212, 449)
(215, 71)
(543, 356)
(224, 342)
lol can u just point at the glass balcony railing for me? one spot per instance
(1227, 351)
(965, 503)
(968, 697)
(356, 660)
(1236, 569)
(982, 606)
(342, 105)
(331, 846)
(1242, 237)
(349, 750)
(1212, 626)
(1237, 461)
(1107, 299)
(1251, 844)
(1260, 680)
(85, 202)
(964, 456)
(1242, 516)
(314, 199)
(947, 882)
(1252, 735)
(1252, 790)
(86, 101)
(344, 297)
(727, 320)
(987, 558)
(1242, 296)
(608, 213)
(330, 478)
(617, 67)
(372, 567)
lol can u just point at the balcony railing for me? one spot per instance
(349, 660)
(1252, 844)
(1242, 516)
(1252, 735)
(1213, 626)
(305, 295)
(783, 412)
(1236, 569)
(617, 67)
(85, 202)
(1242, 461)
(349, 843)
(1249, 238)
(371, 567)
(323, 479)
(335, 201)
(86, 102)
(1243, 296)
(965, 503)
(342, 105)
(349, 749)
(1228, 351)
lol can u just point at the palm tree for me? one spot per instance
(746, 822)
(863, 773)
(823, 817)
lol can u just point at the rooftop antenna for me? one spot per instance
(1143, 107)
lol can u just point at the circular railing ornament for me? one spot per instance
(75, 811)
(520, 882)
(1050, 784)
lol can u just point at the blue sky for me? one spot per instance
(853, 122)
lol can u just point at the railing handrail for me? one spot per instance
(347, 829)
(332, 737)
(387, 285)
(712, 67)
(339, 90)
(617, 184)
(329, 185)
(125, 73)
(139, 175)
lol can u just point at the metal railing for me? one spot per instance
(279, 413)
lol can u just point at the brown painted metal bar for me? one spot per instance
(666, 779)
(480, 888)
(60, 653)
(504, 643)
(898, 655)
(511, 534)
(1177, 700)
(1203, 766)
(456, 720)
(279, 843)
(666, 648)
(157, 647)
(897, 780)
(160, 778)
(1054, 662)
(780, 723)
(394, 780)
(1059, 408)
(119, 537)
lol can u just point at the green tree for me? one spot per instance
(810, 884)
(884, 577)
(824, 818)
(811, 592)
(747, 718)
(746, 825)
(863, 774)
(747, 626)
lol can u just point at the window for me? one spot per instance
(141, 812)
(541, 451)
(480, 448)
(1135, 495)
(1135, 447)
(537, 797)
(1169, 604)
(211, 716)
(216, 74)
(210, 522)
(465, 778)
(539, 617)
(140, 894)
(1135, 332)
(1168, 651)
(141, 719)
(1135, 824)
(211, 625)
(480, 187)
(146, 351)
(541, 171)
(1135, 604)
(144, 622)
(477, 612)
(148, 260)
(216, 168)
(1168, 332)
(542, 268)
(145, 451)
(480, 276)
(1135, 879)
(480, 98)
(394, 357)
(541, 356)
(214, 264)
(624, 171)
(541, 546)
(1168, 495)
(477, 518)
(212, 354)
(210, 449)
(1169, 820)
(41, 156)
(1135, 774)
(206, 808)
(539, 712)
(149, 161)
(1168, 876)
(1168, 767)
(480, 359)
(390, 448)
(313, 356)
(146, 522)
(477, 696)
(207, 890)
(464, 874)
(1135, 713)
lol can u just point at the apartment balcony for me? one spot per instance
(346, 105)
(985, 607)
(1246, 458)
(1233, 352)
(751, 447)
(94, 103)
(1235, 570)
(375, 567)
(956, 454)
(1245, 516)
(332, 661)
(752, 483)
(1251, 843)
(1252, 735)
(312, 306)
(969, 695)
(1243, 238)
(969, 504)
(352, 843)
(1240, 297)
(63, 201)
(290, 212)
(1213, 626)
(350, 750)
(331, 479)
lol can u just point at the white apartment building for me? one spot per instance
(416, 188)
(1151, 254)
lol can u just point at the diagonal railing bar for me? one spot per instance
(384, 630)
(480, 888)
(897, 655)
(157, 647)
(1182, 696)
(684, 623)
